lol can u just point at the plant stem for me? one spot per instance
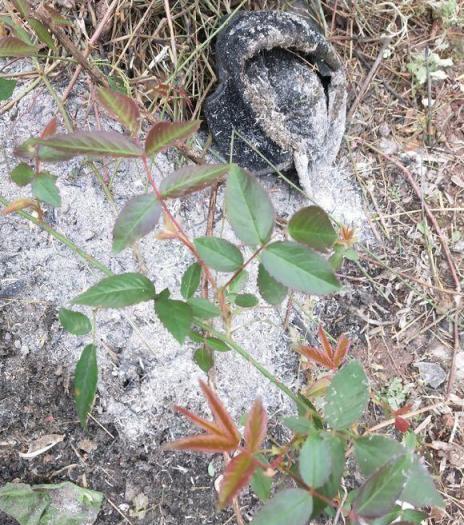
(104, 269)
(256, 364)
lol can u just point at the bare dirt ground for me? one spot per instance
(398, 304)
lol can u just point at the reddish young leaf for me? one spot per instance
(199, 421)
(401, 424)
(221, 435)
(11, 46)
(221, 417)
(343, 345)
(165, 134)
(20, 204)
(256, 427)
(403, 410)
(50, 129)
(209, 443)
(316, 355)
(121, 107)
(326, 346)
(236, 476)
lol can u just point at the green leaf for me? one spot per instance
(42, 32)
(139, 217)
(238, 283)
(315, 461)
(176, 316)
(189, 179)
(219, 254)
(298, 267)
(379, 493)
(44, 188)
(373, 452)
(420, 489)
(10, 46)
(217, 344)
(95, 143)
(6, 88)
(22, 6)
(165, 134)
(298, 424)
(336, 259)
(203, 309)
(22, 174)
(261, 485)
(347, 396)
(248, 207)
(118, 291)
(74, 322)
(312, 226)
(289, 507)
(190, 280)
(85, 383)
(271, 290)
(60, 504)
(204, 359)
(246, 300)
(122, 107)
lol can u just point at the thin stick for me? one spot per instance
(370, 76)
(92, 41)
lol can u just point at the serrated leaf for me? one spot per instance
(74, 322)
(44, 188)
(190, 179)
(270, 289)
(379, 493)
(373, 452)
(204, 359)
(289, 507)
(312, 226)
(118, 291)
(190, 280)
(42, 32)
(176, 316)
(298, 424)
(165, 134)
(85, 382)
(300, 268)
(219, 254)
(347, 396)
(236, 476)
(315, 461)
(139, 217)
(248, 207)
(22, 174)
(256, 427)
(203, 309)
(246, 300)
(122, 107)
(10, 46)
(95, 143)
(6, 88)
(31, 149)
(261, 485)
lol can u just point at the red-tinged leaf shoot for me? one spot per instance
(401, 424)
(343, 346)
(220, 414)
(199, 421)
(50, 129)
(165, 134)
(325, 343)
(209, 443)
(122, 107)
(237, 475)
(316, 355)
(256, 427)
